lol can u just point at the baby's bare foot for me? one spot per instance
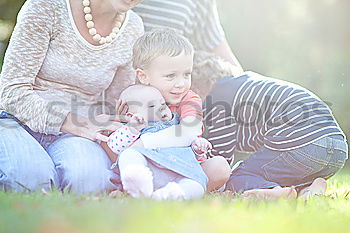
(271, 194)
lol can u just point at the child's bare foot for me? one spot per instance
(116, 194)
(317, 188)
(271, 194)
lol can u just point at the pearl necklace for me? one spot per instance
(91, 25)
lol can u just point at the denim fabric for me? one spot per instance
(181, 160)
(153, 127)
(31, 161)
(299, 167)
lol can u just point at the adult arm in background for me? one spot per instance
(208, 34)
(224, 51)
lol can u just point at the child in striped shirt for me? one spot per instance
(295, 141)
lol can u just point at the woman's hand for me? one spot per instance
(112, 156)
(91, 128)
(121, 108)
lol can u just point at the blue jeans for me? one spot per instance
(31, 161)
(299, 167)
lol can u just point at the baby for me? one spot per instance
(173, 172)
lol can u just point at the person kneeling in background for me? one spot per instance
(296, 142)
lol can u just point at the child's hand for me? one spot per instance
(201, 146)
(137, 122)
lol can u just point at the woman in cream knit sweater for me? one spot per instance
(62, 57)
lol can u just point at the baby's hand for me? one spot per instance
(201, 146)
(137, 122)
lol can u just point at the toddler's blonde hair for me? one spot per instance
(157, 43)
(207, 69)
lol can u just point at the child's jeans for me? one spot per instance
(299, 167)
(31, 161)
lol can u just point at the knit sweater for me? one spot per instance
(50, 70)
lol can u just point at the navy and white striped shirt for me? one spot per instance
(195, 19)
(250, 111)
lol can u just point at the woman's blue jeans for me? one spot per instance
(31, 161)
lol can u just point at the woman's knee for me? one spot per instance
(82, 165)
(33, 177)
(25, 165)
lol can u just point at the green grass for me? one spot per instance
(55, 212)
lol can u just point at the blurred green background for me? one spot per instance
(303, 41)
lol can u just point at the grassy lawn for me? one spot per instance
(55, 212)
